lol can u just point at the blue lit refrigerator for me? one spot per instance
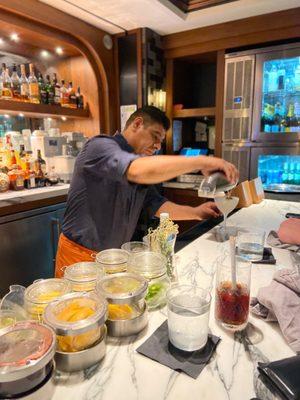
(261, 124)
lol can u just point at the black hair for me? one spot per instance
(150, 115)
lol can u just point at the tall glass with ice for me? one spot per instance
(188, 316)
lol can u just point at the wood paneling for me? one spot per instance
(169, 103)
(194, 112)
(254, 30)
(55, 24)
(219, 102)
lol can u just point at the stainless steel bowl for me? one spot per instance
(128, 327)
(79, 360)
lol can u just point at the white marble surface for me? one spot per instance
(17, 197)
(231, 374)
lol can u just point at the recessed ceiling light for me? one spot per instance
(64, 118)
(21, 115)
(45, 53)
(14, 37)
(59, 51)
(1, 41)
(49, 119)
(6, 116)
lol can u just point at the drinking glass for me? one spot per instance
(188, 316)
(250, 244)
(233, 296)
(225, 205)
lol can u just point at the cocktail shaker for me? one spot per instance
(216, 182)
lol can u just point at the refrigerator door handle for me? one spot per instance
(55, 232)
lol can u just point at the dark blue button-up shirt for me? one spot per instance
(103, 207)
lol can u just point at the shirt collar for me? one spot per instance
(123, 142)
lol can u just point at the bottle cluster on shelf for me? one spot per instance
(279, 169)
(19, 169)
(281, 96)
(37, 89)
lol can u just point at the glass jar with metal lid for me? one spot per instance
(127, 310)
(78, 320)
(83, 276)
(27, 350)
(153, 267)
(112, 260)
(39, 294)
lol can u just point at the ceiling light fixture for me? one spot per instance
(59, 51)
(64, 118)
(14, 37)
(21, 115)
(1, 41)
(45, 53)
(6, 116)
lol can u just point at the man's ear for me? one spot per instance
(137, 123)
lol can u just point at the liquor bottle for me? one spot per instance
(273, 79)
(50, 90)
(4, 179)
(64, 98)
(281, 77)
(15, 83)
(53, 178)
(13, 158)
(22, 156)
(56, 90)
(34, 95)
(42, 90)
(40, 163)
(24, 86)
(6, 84)
(79, 98)
(291, 119)
(29, 171)
(16, 178)
(72, 96)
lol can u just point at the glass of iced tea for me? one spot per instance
(233, 295)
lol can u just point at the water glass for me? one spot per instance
(233, 295)
(188, 316)
(250, 244)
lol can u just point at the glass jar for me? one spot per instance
(233, 295)
(83, 276)
(25, 368)
(41, 293)
(112, 260)
(153, 267)
(77, 319)
(127, 311)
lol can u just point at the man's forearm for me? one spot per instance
(156, 169)
(178, 212)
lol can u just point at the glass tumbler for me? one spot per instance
(188, 316)
(250, 244)
(233, 295)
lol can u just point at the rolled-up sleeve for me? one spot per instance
(105, 158)
(153, 201)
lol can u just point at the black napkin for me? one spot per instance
(268, 257)
(158, 348)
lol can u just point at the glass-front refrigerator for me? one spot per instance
(276, 111)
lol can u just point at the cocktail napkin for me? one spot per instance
(158, 348)
(268, 257)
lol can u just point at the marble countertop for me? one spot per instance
(18, 197)
(231, 374)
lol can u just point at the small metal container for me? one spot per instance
(113, 260)
(26, 359)
(83, 276)
(78, 321)
(80, 360)
(39, 294)
(127, 310)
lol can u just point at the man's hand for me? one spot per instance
(207, 210)
(213, 164)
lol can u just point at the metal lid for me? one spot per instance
(83, 272)
(25, 348)
(76, 313)
(148, 264)
(113, 259)
(44, 291)
(123, 288)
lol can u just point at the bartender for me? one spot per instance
(113, 182)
